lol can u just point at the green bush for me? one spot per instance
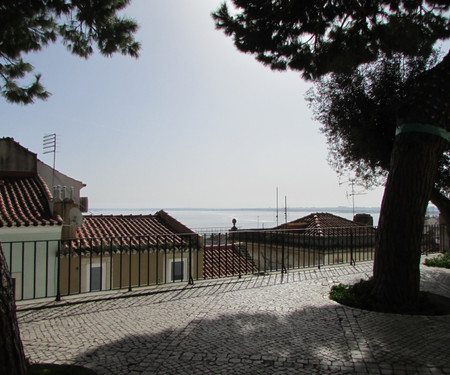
(357, 295)
(360, 296)
(442, 260)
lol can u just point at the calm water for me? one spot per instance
(246, 218)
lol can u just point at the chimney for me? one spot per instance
(62, 208)
(364, 219)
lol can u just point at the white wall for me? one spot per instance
(46, 172)
(32, 253)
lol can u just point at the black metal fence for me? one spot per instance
(54, 268)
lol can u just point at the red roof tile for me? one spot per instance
(227, 260)
(323, 223)
(131, 227)
(24, 200)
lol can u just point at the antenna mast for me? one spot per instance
(285, 210)
(352, 194)
(49, 146)
(277, 206)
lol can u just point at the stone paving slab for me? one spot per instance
(273, 324)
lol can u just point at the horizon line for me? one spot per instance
(300, 208)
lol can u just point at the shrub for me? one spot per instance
(360, 296)
(442, 260)
(357, 295)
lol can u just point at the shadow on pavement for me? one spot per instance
(330, 339)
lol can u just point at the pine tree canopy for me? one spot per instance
(321, 36)
(29, 25)
(358, 113)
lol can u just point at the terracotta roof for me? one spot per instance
(323, 223)
(24, 201)
(227, 260)
(97, 227)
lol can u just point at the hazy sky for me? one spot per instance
(191, 123)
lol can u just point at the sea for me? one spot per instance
(200, 219)
(246, 218)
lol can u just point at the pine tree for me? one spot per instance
(29, 26)
(12, 358)
(320, 37)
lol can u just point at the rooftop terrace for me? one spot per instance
(272, 324)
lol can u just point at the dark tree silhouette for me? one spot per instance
(28, 26)
(319, 37)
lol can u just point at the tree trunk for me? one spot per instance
(414, 164)
(412, 171)
(12, 358)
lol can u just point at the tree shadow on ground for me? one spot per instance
(329, 339)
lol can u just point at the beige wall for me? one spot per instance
(270, 257)
(146, 269)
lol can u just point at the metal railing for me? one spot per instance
(56, 268)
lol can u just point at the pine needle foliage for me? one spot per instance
(316, 37)
(358, 113)
(81, 25)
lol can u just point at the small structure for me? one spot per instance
(364, 219)
(324, 223)
(313, 240)
(225, 257)
(122, 251)
(227, 260)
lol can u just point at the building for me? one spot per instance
(32, 221)
(124, 251)
(225, 259)
(313, 240)
(52, 250)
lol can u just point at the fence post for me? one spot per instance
(58, 273)
(34, 269)
(191, 279)
(129, 265)
(318, 249)
(352, 260)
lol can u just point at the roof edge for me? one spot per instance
(173, 223)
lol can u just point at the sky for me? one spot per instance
(191, 123)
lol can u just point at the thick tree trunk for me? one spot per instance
(414, 163)
(12, 358)
(412, 171)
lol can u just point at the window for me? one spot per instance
(177, 269)
(96, 276)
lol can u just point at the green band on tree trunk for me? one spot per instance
(423, 128)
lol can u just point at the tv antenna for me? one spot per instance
(352, 194)
(285, 210)
(49, 147)
(277, 207)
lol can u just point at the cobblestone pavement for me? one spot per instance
(269, 324)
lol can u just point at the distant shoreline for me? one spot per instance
(343, 209)
(312, 209)
(268, 217)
